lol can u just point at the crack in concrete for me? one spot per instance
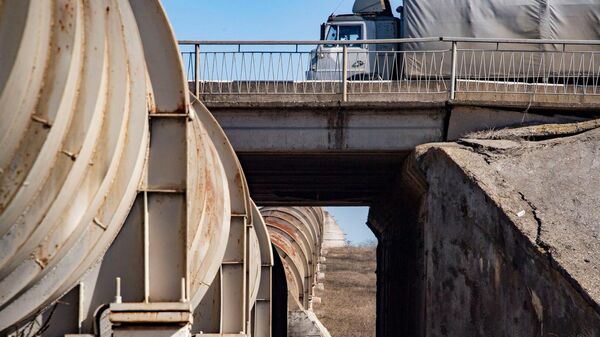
(548, 249)
(477, 148)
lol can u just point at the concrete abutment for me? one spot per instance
(461, 243)
(395, 219)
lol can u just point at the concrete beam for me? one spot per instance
(300, 149)
(329, 127)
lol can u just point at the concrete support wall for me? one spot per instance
(395, 220)
(304, 323)
(484, 277)
(458, 255)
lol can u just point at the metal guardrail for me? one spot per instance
(445, 66)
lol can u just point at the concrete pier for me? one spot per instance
(493, 237)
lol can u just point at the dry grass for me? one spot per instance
(537, 131)
(348, 302)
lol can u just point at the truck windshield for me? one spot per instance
(344, 33)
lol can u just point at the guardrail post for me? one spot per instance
(453, 71)
(345, 74)
(197, 70)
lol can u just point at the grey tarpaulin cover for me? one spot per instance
(520, 19)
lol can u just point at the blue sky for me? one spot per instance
(267, 20)
(251, 20)
(353, 222)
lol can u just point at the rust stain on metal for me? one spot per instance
(55, 204)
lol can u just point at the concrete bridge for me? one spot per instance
(352, 141)
(125, 212)
(340, 141)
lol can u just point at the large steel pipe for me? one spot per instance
(75, 134)
(108, 171)
(297, 233)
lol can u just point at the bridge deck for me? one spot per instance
(263, 94)
(302, 151)
(342, 139)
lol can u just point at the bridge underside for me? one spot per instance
(301, 152)
(340, 179)
(324, 153)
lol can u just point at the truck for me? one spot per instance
(370, 20)
(489, 19)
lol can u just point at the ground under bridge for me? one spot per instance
(337, 135)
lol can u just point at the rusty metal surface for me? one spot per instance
(73, 151)
(110, 168)
(262, 307)
(297, 234)
(94, 111)
(239, 269)
(210, 209)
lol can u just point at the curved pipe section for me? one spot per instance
(262, 310)
(297, 233)
(106, 162)
(73, 158)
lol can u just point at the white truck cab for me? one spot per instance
(365, 62)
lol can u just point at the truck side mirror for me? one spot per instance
(322, 31)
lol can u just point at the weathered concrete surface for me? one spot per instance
(304, 323)
(395, 219)
(329, 127)
(333, 236)
(559, 179)
(512, 237)
(466, 119)
(493, 237)
(489, 271)
(309, 149)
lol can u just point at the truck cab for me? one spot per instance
(365, 61)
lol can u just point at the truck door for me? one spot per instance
(329, 56)
(358, 58)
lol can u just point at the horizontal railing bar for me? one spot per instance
(391, 41)
(519, 41)
(489, 51)
(440, 51)
(303, 42)
(252, 52)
